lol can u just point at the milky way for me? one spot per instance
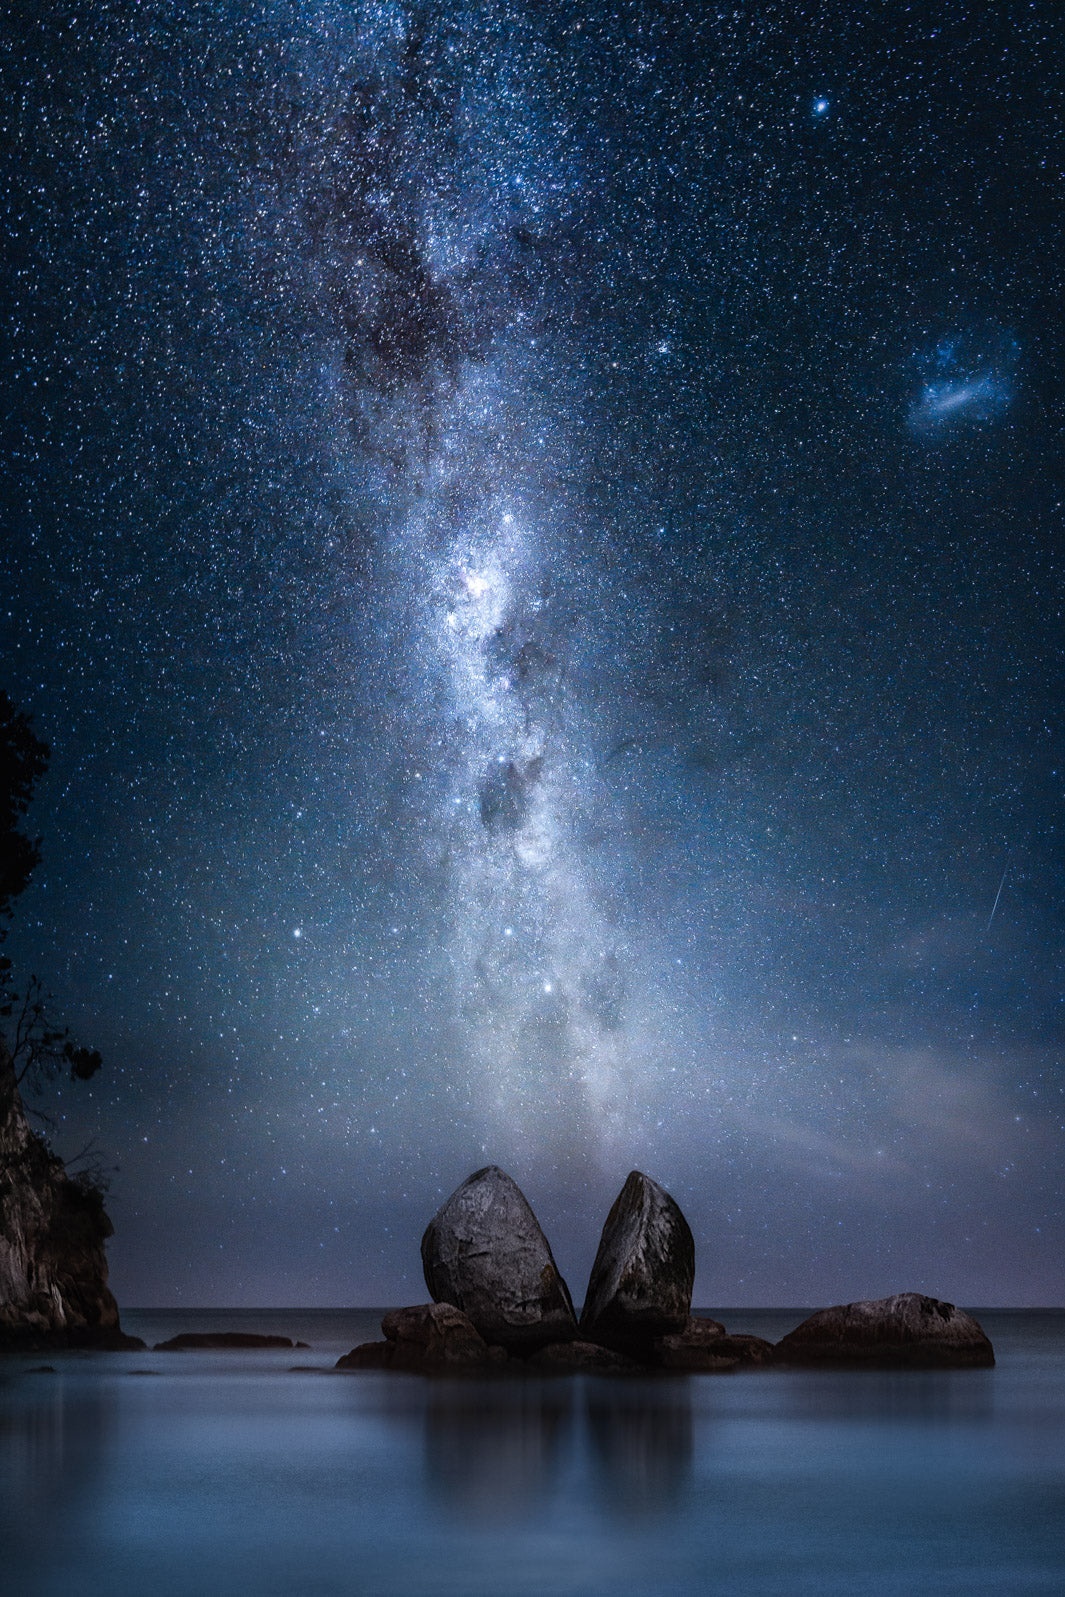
(534, 537)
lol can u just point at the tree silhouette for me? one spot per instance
(23, 761)
(38, 1047)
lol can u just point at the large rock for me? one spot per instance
(641, 1281)
(905, 1330)
(484, 1252)
(53, 1268)
(429, 1339)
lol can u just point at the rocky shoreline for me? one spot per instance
(499, 1302)
(53, 1267)
(501, 1306)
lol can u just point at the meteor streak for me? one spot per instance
(994, 906)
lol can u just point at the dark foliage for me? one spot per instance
(39, 1048)
(23, 761)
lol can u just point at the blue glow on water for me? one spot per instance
(228, 1473)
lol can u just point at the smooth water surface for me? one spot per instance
(182, 1475)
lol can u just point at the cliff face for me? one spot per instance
(53, 1268)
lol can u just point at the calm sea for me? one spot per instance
(187, 1475)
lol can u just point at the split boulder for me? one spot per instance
(484, 1252)
(641, 1282)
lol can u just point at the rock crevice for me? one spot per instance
(501, 1305)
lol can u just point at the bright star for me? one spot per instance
(476, 585)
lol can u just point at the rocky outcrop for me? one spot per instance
(697, 1348)
(641, 1282)
(53, 1268)
(485, 1253)
(907, 1330)
(705, 1347)
(428, 1339)
(573, 1358)
(745, 1349)
(367, 1356)
(502, 1307)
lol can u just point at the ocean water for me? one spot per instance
(186, 1475)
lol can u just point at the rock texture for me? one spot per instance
(641, 1282)
(484, 1252)
(745, 1349)
(53, 1268)
(367, 1356)
(429, 1339)
(696, 1348)
(573, 1358)
(905, 1330)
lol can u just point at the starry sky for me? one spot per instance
(534, 535)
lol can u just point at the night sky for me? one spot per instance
(534, 535)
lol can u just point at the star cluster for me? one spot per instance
(534, 536)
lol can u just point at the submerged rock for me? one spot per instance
(641, 1282)
(484, 1251)
(190, 1340)
(573, 1358)
(905, 1330)
(430, 1338)
(367, 1356)
(697, 1348)
(745, 1349)
(53, 1268)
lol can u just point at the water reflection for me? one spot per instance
(493, 1451)
(939, 1398)
(499, 1450)
(248, 1479)
(51, 1445)
(641, 1442)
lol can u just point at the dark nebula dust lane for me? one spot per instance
(534, 536)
